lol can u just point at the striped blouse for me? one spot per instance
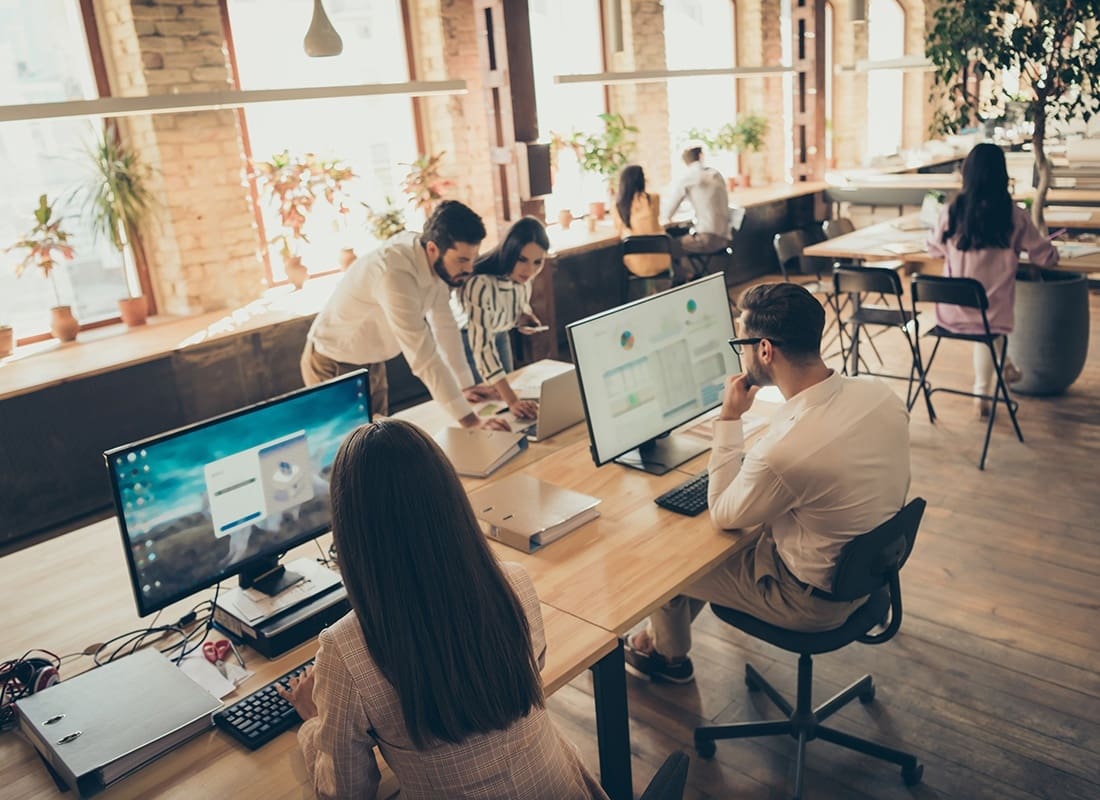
(493, 305)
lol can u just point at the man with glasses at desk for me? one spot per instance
(833, 464)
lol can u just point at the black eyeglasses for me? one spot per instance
(739, 344)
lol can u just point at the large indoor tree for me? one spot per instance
(1052, 45)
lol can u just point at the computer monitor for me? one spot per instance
(648, 367)
(228, 496)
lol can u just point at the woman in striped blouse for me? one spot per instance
(497, 298)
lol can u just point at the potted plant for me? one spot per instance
(294, 183)
(388, 222)
(424, 185)
(44, 243)
(605, 153)
(118, 202)
(747, 136)
(724, 139)
(1053, 47)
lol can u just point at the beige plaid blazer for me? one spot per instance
(359, 710)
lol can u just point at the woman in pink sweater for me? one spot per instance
(980, 235)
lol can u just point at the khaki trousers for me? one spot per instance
(317, 368)
(753, 580)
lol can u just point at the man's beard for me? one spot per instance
(445, 276)
(758, 376)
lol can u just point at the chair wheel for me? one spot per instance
(706, 748)
(912, 775)
(868, 696)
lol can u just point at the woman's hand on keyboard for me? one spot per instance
(300, 694)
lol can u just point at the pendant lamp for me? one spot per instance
(857, 10)
(321, 38)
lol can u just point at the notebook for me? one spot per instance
(99, 726)
(526, 513)
(478, 453)
(560, 406)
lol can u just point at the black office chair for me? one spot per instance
(788, 250)
(868, 565)
(669, 780)
(636, 286)
(856, 283)
(968, 293)
(840, 226)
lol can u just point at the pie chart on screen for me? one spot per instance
(626, 341)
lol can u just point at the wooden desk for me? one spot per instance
(869, 244)
(74, 590)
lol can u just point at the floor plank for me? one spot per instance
(994, 678)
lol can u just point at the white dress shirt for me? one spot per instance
(705, 188)
(833, 464)
(391, 301)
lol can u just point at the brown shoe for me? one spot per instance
(1012, 373)
(982, 408)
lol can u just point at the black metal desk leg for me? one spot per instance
(613, 724)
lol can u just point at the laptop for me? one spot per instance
(560, 406)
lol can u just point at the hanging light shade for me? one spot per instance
(857, 10)
(321, 38)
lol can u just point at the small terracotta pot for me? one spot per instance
(347, 257)
(746, 180)
(296, 272)
(597, 210)
(63, 324)
(133, 310)
(565, 218)
(732, 182)
(7, 341)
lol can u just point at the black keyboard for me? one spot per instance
(689, 498)
(257, 719)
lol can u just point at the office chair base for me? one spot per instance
(804, 724)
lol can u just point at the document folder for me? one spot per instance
(101, 725)
(476, 452)
(526, 513)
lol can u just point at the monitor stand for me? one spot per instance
(273, 624)
(658, 456)
(269, 577)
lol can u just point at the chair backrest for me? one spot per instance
(872, 560)
(840, 226)
(952, 291)
(647, 243)
(788, 249)
(669, 781)
(852, 279)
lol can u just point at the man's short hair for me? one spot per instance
(786, 314)
(452, 222)
(692, 154)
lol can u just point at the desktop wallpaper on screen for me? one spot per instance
(198, 503)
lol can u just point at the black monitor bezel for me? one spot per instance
(593, 449)
(145, 609)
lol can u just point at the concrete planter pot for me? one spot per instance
(1051, 339)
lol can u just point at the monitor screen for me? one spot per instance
(654, 364)
(201, 503)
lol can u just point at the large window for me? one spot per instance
(885, 88)
(700, 34)
(372, 135)
(565, 38)
(44, 57)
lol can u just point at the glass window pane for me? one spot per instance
(885, 88)
(565, 39)
(372, 135)
(700, 34)
(44, 58)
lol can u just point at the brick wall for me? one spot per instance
(849, 113)
(644, 105)
(202, 247)
(759, 42)
(444, 37)
(918, 85)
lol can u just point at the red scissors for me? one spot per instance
(215, 652)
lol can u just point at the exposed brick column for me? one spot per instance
(917, 85)
(644, 105)
(759, 43)
(808, 39)
(202, 247)
(849, 89)
(444, 36)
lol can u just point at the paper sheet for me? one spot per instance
(1067, 216)
(206, 675)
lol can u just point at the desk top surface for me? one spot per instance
(897, 239)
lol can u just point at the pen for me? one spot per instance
(1056, 234)
(502, 411)
(237, 654)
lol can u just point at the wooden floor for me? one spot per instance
(993, 680)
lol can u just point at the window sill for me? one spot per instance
(49, 363)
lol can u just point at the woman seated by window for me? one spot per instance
(635, 214)
(438, 665)
(497, 298)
